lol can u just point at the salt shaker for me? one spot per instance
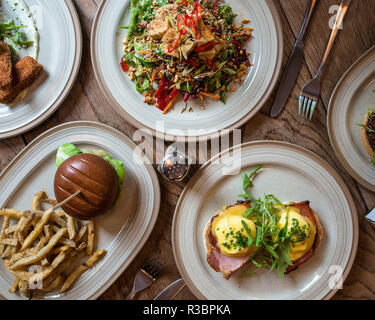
(175, 166)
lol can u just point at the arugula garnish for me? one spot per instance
(247, 182)
(274, 243)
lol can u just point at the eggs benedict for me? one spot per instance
(368, 134)
(230, 239)
(303, 231)
(241, 233)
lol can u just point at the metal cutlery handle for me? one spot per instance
(306, 21)
(371, 217)
(340, 18)
(170, 292)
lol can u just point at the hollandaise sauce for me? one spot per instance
(235, 234)
(300, 231)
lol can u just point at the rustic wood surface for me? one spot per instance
(86, 102)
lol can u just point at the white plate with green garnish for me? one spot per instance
(352, 99)
(290, 174)
(188, 57)
(50, 32)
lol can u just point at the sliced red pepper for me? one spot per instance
(124, 65)
(161, 94)
(189, 22)
(173, 94)
(175, 44)
(211, 64)
(181, 27)
(206, 47)
(197, 8)
(192, 62)
(197, 12)
(216, 6)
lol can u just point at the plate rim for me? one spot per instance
(331, 134)
(313, 156)
(238, 124)
(151, 171)
(67, 87)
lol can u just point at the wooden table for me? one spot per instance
(86, 102)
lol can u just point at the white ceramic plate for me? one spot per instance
(350, 102)
(291, 173)
(267, 47)
(60, 54)
(122, 232)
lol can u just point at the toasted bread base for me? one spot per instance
(364, 139)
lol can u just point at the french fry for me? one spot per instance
(22, 275)
(37, 200)
(59, 221)
(14, 286)
(44, 262)
(73, 278)
(54, 283)
(10, 242)
(6, 223)
(38, 229)
(48, 231)
(48, 271)
(67, 242)
(71, 227)
(61, 249)
(17, 256)
(24, 288)
(55, 228)
(42, 253)
(6, 252)
(81, 234)
(54, 241)
(11, 229)
(82, 246)
(90, 262)
(90, 238)
(11, 213)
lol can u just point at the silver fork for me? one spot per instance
(146, 277)
(310, 94)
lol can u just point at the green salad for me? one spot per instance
(185, 48)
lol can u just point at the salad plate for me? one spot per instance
(290, 173)
(122, 232)
(266, 47)
(59, 54)
(353, 97)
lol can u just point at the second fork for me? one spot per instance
(311, 92)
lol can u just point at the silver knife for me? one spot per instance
(171, 292)
(294, 65)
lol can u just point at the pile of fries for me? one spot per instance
(47, 241)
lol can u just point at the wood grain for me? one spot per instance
(86, 102)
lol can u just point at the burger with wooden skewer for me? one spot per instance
(95, 174)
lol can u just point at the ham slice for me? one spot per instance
(218, 261)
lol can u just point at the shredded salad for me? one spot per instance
(185, 48)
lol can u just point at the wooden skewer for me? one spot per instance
(59, 205)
